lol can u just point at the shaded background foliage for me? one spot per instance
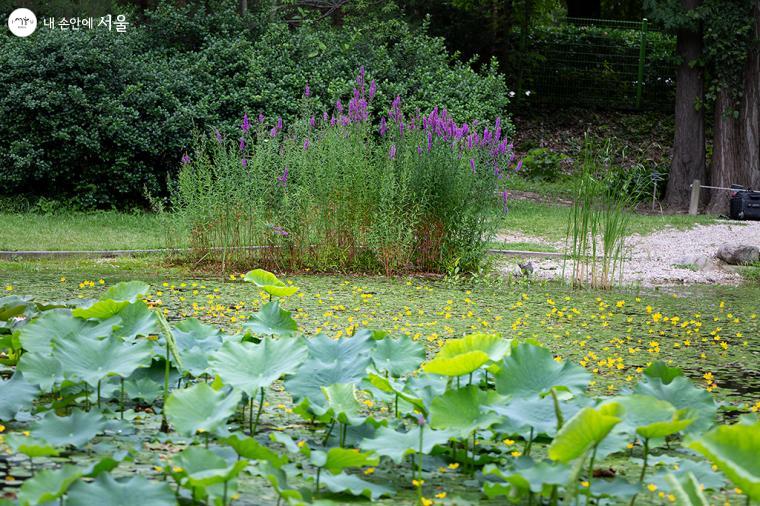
(101, 118)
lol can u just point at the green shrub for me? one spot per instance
(543, 164)
(332, 192)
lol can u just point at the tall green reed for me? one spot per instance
(598, 222)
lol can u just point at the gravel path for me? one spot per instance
(660, 258)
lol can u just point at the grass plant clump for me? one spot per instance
(598, 223)
(342, 190)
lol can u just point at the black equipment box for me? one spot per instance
(745, 204)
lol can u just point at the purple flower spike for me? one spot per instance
(283, 179)
(392, 152)
(242, 144)
(339, 107)
(244, 162)
(383, 127)
(504, 200)
(519, 166)
(246, 124)
(372, 89)
(472, 165)
(261, 118)
(325, 117)
(307, 90)
(279, 122)
(312, 122)
(305, 144)
(273, 132)
(218, 136)
(185, 159)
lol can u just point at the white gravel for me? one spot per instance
(652, 258)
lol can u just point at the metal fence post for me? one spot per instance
(642, 59)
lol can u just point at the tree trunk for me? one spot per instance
(727, 167)
(736, 154)
(750, 112)
(689, 142)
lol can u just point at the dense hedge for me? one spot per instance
(102, 118)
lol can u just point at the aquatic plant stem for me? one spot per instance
(258, 413)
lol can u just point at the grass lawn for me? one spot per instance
(549, 221)
(109, 230)
(104, 230)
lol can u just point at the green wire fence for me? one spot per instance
(598, 62)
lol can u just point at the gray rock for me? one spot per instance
(696, 263)
(738, 254)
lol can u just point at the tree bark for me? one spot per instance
(736, 154)
(688, 161)
(750, 112)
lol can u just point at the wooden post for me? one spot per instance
(694, 204)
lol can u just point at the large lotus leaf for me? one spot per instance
(143, 388)
(355, 486)
(397, 356)
(136, 320)
(249, 448)
(616, 488)
(251, 367)
(523, 413)
(339, 351)
(389, 386)
(461, 411)
(195, 361)
(340, 404)
(41, 369)
(30, 446)
(687, 490)
(106, 491)
(48, 485)
(201, 408)
(272, 320)
(100, 310)
(336, 460)
(92, 360)
(426, 387)
(192, 332)
(397, 445)
(531, 370)
(682, 394)
(582, 432)
(734, 449)
(202, 468)
(76, 429)
(458, 365)
(37, 335)
(650, 417)
(278, 478)
(16, 394)
(13, 306)
(269, 283)
(663, 372)
(331, 361)
(527, 476)
(493, 345)
(128, 291)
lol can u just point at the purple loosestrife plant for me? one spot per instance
(363, 183)
(185, 159)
